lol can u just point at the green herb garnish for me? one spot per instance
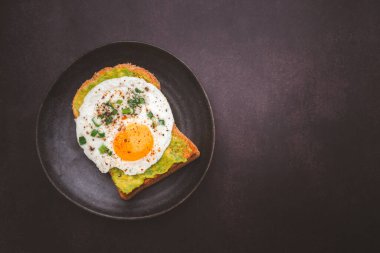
(161, 122)
(103, 149)
(132, 103)
(135, 101)
(127, 110)
(96, 122)
(138, 90)
(114, 112)
(150, 114)
(82, 140)
(94, 132)
(101, 135)
(108, 120)
(109, 104)
(119, 101)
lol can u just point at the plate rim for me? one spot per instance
(116, 217)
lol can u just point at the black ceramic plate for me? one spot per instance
(78, 179)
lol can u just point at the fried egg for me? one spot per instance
(124, 123)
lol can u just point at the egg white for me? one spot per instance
(113, 90)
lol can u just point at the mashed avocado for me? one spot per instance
(109, 74)
(175, 153)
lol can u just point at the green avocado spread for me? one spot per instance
(175, 153)
(109, 74)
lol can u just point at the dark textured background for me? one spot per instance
(295, 88)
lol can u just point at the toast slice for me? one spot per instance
(187, 151)
(190, 156)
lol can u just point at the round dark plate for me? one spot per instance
(78, 179)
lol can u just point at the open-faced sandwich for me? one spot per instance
(126, 127)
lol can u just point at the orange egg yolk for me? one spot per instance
(133, 143)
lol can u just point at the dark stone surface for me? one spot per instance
(295, 90)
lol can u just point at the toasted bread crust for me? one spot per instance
(149, 182)
(190, 156)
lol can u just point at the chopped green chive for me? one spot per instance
(138, 90)
(161, 121)
(119, 101)
(103, 149)
(96, 121)
(82, 140)
(101, 135)
(94, 132)
(110, 105)
(114, 112)
(135, 101)
(150, 114)
(132, 103)
(127, 110)
(154, 124)
(108, 120)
